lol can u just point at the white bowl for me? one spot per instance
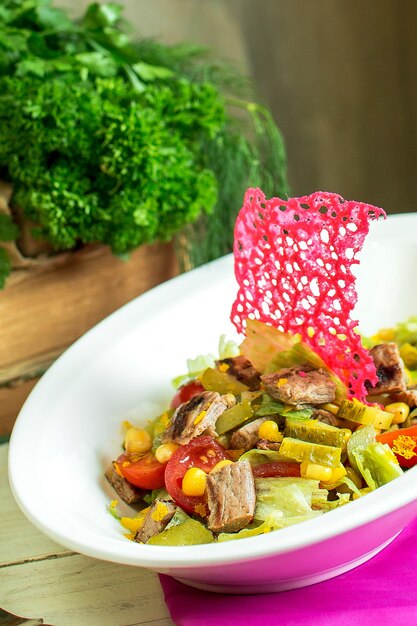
(69, 430)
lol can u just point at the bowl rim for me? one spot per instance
(377, 504)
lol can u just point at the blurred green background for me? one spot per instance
(338, 75)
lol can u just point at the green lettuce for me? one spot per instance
(406, 332)
(281, 502)
(269, 406)
(377, 463)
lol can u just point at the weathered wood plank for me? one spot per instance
(20, 540)
(39, 578)
(80, 590)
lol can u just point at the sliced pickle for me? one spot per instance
(222, 382)
(313, 452)
(317, 432)
(367, 415)
(189, 533)
(233, 417)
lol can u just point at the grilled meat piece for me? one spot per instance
(127, 492)
(389, 369)
(195, 416)
(409, 396)
(242, 369)
(264, 444)
(231, 497)
(156, 519)
(246, 437)
(300, 385)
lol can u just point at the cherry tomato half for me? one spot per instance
(203, 452)
(146, 473)
(409, 456)
(276, 468)
(186, 392)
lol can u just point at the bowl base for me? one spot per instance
(283, 585)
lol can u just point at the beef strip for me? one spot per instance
(242, 369)
(409, 396)
(127, 492)
(231, 497)
(196, 416)
(246, 437)
(156, 519)
(300, 385)
(264, 444)
(389, 369)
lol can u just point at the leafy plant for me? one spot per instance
(125, 142)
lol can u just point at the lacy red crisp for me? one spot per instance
(293, 264)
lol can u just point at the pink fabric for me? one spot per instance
(381, 592)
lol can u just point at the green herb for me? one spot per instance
(107, 139)
(8, 232)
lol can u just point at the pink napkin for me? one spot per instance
(381, 592)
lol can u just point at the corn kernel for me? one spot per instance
(194, 482)
(337, 473)
(363, 492)
(137, 441)
(221, 464)
(315, 471)
(165, 451)
(269, 430)
(401, 411)
(331, 407)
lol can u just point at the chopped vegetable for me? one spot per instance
(269, 406)
(276, 469)
(377, 463)
(305, 451)
(356, 411)
(359, 440)
(403, 443)
(146, 473)
(189, 533)
(203, 453)
(317, 432)
(233, 417)
(216, 380)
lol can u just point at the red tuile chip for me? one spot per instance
(293, 262)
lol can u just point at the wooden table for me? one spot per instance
(39, 578)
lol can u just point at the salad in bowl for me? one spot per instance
(122, 368)
(242, 452)
(303, 417)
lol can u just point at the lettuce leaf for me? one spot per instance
(282, 499)
(269, 406)
(227, 348)
(262, 343)
(195, 367)
(280, 502)
(270, 489)
(406, 332)
(377, 463)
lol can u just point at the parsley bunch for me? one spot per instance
(124, 142)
